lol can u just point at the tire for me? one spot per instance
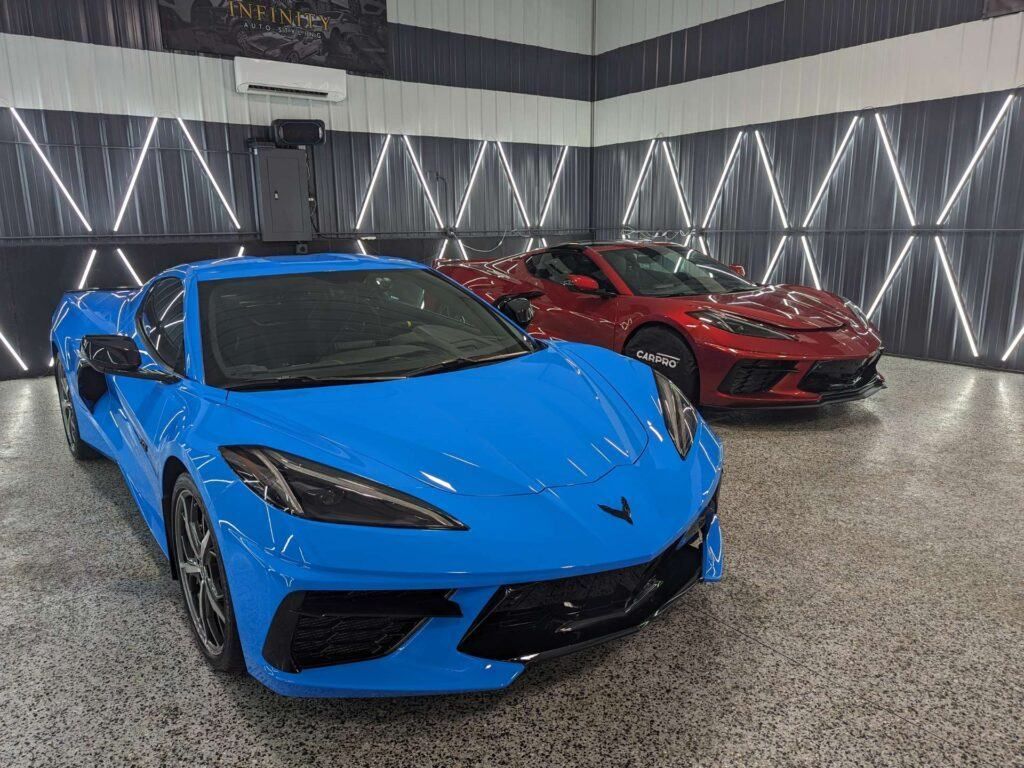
(204, 583)
(666, 352)
(80, 449)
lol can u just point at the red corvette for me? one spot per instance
(724, 340)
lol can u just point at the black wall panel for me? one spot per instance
(860, 225)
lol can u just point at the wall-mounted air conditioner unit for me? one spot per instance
(278, 78)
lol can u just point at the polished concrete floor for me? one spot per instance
(872, 614)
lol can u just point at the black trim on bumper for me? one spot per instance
(543, 619)
(319, 628)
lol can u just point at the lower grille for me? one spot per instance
(318, 629)
(840, 375)
(750, 376)
(523, 622)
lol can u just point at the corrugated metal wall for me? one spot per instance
(88, 77)
(449, 90)
(861, 226)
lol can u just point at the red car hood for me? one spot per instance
(792, 307)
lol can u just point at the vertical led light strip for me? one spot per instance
(1013, 345)
(209, 173)
(361, 247)
(472, 180)
(241, 252)
(135, 173)
(674, 171)
(14, 354)
(900, 186)
(775, 258)
(831, 169)
(88, 268)
(127, 263)
(553, 186)
(974, 160)
(889, 276)
(512, 182)
(809, 259)
(954, 289)
(639, 180)
(465, 201)
(423, 182)
(776, 196)
(721, 180)
(373, 183)
(53, 173)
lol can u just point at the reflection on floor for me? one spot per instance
(872, 613)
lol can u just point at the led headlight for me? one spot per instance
(680, 415)
(741, 325)
(308, 489)
(857, 312)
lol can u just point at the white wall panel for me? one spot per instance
(563, 25)
(977, 57)
(40, 73)
(620, 23)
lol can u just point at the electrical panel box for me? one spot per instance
(282, 194)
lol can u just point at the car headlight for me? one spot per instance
(741, 325)
(680, 415)
(857, 312)
(308, 489)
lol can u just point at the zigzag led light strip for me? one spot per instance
(53, 173)
(209, 174)
(559, 165)
(729, 161)
(946, 209)
(135, 174)
(805, 243)
(465, 200)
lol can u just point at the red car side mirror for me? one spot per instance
(582, 284)
(739, 269)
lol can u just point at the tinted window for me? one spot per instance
(665, 270)
(557, 265)
(163, 322)
(344, 324)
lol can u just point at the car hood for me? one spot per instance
(513, 427)
(794, 308)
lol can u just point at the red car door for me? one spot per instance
(566, 313)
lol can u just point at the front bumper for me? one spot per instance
(427, 619)
(788, 377)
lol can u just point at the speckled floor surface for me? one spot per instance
(872, 614)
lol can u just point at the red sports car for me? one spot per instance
(724, 340)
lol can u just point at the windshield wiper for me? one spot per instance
(455, 363)
(293, 382)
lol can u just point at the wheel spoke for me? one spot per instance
(212, 601)
(189, 567)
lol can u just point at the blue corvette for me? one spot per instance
(369, 482)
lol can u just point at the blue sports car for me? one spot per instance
(369, 482)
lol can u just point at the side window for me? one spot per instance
(556, 265)
(163, 322)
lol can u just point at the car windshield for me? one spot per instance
(345, 326)
(672, 270)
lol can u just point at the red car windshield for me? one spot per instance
(669, 270)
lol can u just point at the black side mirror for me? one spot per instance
(518, 307)
(118, 356)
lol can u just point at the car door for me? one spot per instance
(565, 313)
(151, 409)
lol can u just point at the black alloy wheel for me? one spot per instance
(80, 449)
(204, 584)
